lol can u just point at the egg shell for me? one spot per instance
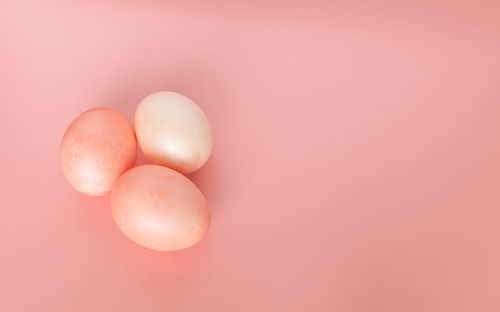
(159, 208)
(173, 131)
(96, 149)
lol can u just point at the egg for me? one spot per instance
(173, 131)
(98, 146)
(159, 208)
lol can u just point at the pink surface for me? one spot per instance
(356, 161)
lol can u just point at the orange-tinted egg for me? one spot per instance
(159, 208)
(96, 149)
(173, 131)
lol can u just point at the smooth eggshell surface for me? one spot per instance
(159, 208)
(173, 131)
(96, 149)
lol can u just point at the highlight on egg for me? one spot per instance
(173, 131)
(159, 208)
(98, 146)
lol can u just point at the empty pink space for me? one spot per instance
(355, 164)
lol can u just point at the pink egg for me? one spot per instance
(96, 149)
(159, 208)
(173, 131)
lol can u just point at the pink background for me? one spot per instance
(356, 164)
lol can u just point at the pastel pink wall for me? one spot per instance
(356, 164)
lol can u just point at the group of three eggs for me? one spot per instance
(155, 205)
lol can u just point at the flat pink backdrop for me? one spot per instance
(356, 164)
